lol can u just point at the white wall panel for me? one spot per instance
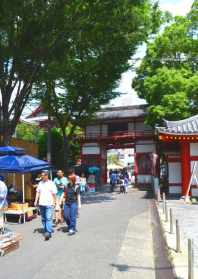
(194, 182)
(91, 148)
(144, 179)
(175, 190)
(194, 149)
(194, 192)
(93, 130)
(174, 170)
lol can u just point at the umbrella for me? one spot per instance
(21, 164)
(5, 150)
(93, 169)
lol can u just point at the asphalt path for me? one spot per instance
(90, 254)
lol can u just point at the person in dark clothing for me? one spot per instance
(70, 197)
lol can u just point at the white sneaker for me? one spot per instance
(71, 232)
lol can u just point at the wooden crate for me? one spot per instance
(10, 245)
(9, 248)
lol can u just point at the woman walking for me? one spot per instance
(70, 199)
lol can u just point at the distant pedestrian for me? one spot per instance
(126, 184)
(113, 180)
(91, 182)
(46, 198)
(70, 199)
(121, 182)
(61, 183)
(83, 183)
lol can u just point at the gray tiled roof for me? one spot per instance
(121, 112)
(186, 126)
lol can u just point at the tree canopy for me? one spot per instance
(167, 77)
(36, 37)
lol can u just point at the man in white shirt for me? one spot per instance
(3, 201)
(46, 197)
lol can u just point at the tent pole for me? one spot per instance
(13, 181)
(23, 190)
(51, 174)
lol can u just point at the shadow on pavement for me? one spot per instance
(147, 189)
(97, 198)
(124, 267)
(38, 230)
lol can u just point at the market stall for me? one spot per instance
(13, 160)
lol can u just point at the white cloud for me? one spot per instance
(177, 7)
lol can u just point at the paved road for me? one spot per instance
(114, 241)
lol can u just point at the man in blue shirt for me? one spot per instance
(113, 180)
(61, 183)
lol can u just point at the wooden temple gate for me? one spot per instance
(120, 127)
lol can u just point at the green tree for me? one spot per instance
(28, 132)
(106, 35)
(34, 33)
(57, 150)
(167, 76)
(31, 34)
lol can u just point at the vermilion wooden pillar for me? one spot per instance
(185, 166)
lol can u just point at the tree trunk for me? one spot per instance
(49, 140)
(49, 134)
(7, 133)
(65, 152)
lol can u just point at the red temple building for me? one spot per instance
(179, 143)
(118, 128)
(122, 126)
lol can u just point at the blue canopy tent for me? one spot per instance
(6, 150)
(21, 164)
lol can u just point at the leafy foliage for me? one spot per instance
(28, 132)
(40, 40)
(105, 36)
(167, 76)
(30, 35)
(57, 150)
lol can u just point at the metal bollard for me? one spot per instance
(178, 246)
(190, 259)
(171, 221)
(166, 212)
(164, 201)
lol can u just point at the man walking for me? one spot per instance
(46, 197)
(3, 201)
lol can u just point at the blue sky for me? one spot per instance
(176, 7)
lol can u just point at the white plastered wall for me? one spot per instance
(174, 169)
(194, 149)
(90, 149)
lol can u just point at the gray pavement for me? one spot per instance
(114, 241)
(187, 215)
